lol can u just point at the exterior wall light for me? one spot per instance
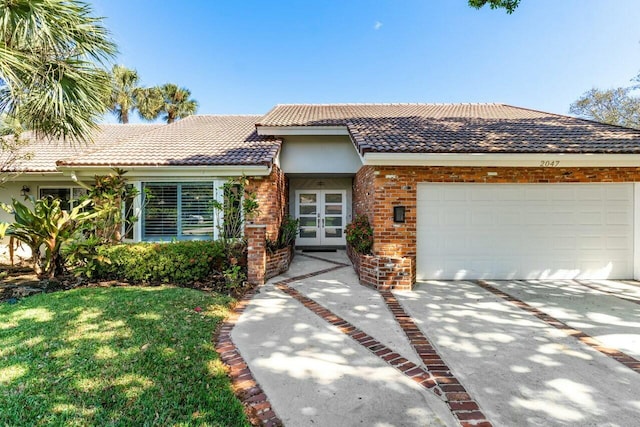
(398, 213)
(24, 192)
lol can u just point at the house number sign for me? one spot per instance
(549, 163)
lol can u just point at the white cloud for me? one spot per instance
(377, 25)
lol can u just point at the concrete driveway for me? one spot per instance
(329, 352)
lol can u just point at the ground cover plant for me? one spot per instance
(115, 356)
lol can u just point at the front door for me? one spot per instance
(322, 217)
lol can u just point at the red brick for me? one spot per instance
(474, 415)
(463, 406)
(374, 195)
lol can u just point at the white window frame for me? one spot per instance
(61, 187)
(137, 203)
(139, 231)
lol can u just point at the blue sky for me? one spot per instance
(243, 57)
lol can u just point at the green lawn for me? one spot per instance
(114, 356)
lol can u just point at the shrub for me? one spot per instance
(359, 235)
(112, 199)
(45, 227)
(180, 263)
(286, 234)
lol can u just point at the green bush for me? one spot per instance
(360, 235)
(177, 262)
(286, 234)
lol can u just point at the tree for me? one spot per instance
(52, 78)
(11, 147)
(45, 227)
(171, 101)
(613, 106)
(124, 86)
(509, 5)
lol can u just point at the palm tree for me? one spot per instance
(170, 100)
(52, 76)
(123, 92)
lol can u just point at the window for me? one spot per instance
(179, 210)
(67, 195)
(128, 214)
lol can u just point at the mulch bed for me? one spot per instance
(19, 281)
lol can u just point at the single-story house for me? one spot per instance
(453, 191)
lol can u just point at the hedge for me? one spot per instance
(176, 262)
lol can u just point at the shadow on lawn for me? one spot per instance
(118, 356)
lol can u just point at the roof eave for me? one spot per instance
(544, 160)
(187, 172)
(301, 130)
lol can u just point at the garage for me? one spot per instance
(525, 231)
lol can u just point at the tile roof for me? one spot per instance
(45, 152)
(194, 141)
(459, 128)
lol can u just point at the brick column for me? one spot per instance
(256, 253)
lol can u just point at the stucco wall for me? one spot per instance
(12, 190)
(319, 154)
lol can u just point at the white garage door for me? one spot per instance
(524, 231)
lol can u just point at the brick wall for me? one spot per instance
(377, 189)
(271, 194)
(256, 253)
(278, 262)
(364, 192)
(383, 272)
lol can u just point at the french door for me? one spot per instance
(322, 217)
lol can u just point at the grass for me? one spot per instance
(115, 356)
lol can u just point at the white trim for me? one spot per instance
(502, 159)
(41, 176)
(636, 231)
(321, 215)
(169, 172)
(137, 211)
(302, 130)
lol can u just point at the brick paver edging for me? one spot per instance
(465, 409)
(245, 386)
(628, 361)
(394, 359)
(599, 288)
(461, 404)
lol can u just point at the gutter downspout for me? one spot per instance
(75, 179)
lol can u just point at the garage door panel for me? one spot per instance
(525, 231)
(585, 194)
(618, 218)
(482, 217)
(454, 217)
(563, 195)
(457, 194)
(536, 194)
(616, 194)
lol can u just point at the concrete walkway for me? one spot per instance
(329, 352)
(316, 375)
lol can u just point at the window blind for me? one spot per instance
(179, 210)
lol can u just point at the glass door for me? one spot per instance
(322, 217)
(333, 217)
(308, 214)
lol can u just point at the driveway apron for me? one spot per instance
(521, 370)
(614, 321)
